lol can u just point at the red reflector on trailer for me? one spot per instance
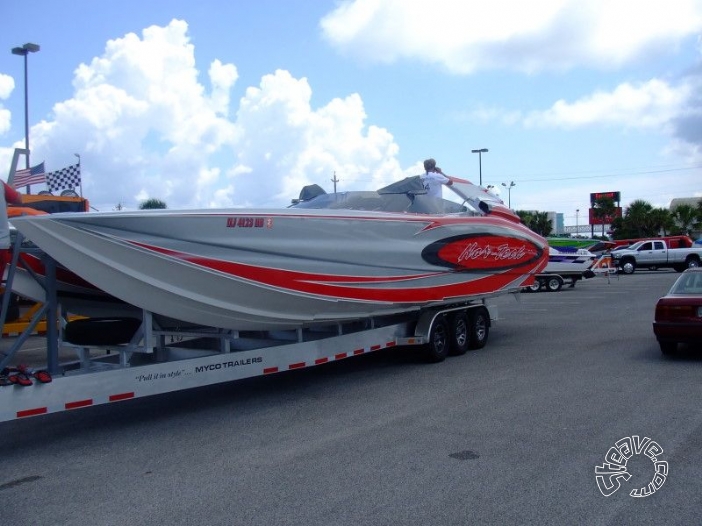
(120, 397)
(79, 403)
(32, 412)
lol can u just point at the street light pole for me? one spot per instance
(577, 220)
(24, 51)
(480, 153)
(509, 192)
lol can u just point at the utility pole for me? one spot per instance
(335, 180)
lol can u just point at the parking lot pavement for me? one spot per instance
(510, 434)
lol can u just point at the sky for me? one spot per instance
(214, 104)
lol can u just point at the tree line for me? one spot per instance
(640, 219)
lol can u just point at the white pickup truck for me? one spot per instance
(653, 254)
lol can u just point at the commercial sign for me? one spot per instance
(607, 220)
(614, 196)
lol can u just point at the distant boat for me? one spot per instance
(596, 246)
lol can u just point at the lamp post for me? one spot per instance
(509, 192)
(480, 153)
(577, 220)
(24, 51)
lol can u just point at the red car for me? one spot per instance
(679, 313)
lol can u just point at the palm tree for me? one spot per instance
(687, 218)
(152, 204)
(662, 221)
(603, 209)
(536, 221)
(638, 217)
(542, 225)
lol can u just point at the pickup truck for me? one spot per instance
(654, 254)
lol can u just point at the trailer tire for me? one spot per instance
(554, 283)
(460, 334)
(479, 328)
(534, 287)
(439, 341)
(101, 331)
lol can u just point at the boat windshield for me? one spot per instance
(409, 195)
(383, 202)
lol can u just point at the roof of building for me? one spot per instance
(692, 201)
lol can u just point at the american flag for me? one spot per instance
(29, 176)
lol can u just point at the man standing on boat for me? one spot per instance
(433, 178)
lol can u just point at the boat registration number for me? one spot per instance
(247, 222)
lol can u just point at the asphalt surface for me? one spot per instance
(510, 434)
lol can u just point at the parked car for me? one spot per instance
(678, 315)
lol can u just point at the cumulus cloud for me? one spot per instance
(673, 108)
(7, 85)
(145, 127)
(466, 36)
(651, 104)
(288, 144)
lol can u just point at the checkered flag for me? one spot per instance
(68, 177)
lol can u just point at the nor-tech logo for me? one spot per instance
(614, 469)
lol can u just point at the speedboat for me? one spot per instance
(567, 261)
(327, 258)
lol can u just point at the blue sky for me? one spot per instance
(214, 104)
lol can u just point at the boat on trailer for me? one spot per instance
(225, 295)
(565, 263)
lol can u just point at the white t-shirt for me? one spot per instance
(432, 182)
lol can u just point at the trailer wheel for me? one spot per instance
(460, 334)
(438, 346)
(101, 331)
(479, 328)
(534, 287)
(554, 283)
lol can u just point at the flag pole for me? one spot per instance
(79, 175)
